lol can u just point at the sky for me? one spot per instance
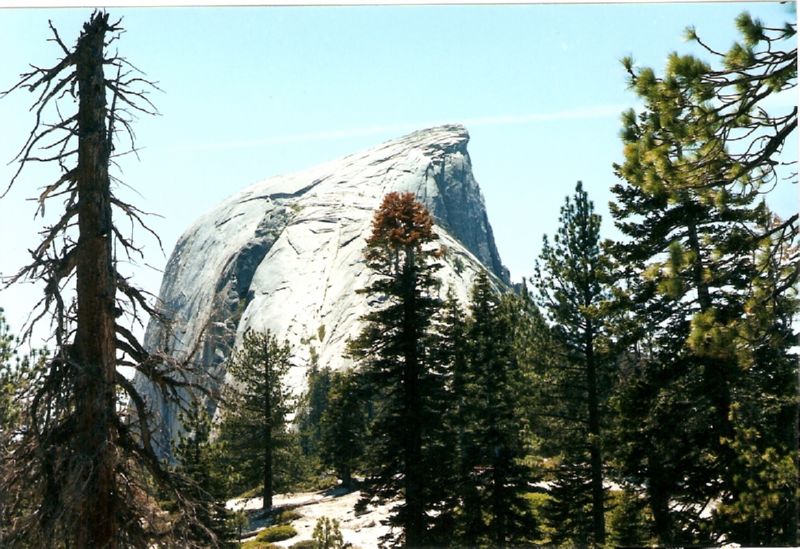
(251, 92)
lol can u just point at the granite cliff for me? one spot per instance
(285, 254)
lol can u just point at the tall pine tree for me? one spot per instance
(573, 283)
(343, 427)
(198, 461)
(255, 408)
(394, 356)
(495, 432)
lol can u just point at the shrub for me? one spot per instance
(304, 544)
(276, 533)
(255, 544)
(285, 517)
(327, 534)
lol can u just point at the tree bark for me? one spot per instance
(415, 507)
(595, 452)
(95, 346)
(267, 503)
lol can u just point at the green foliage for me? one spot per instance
(19, 378)
(568, 511)
(343, 427)
(628, 520)
(573, 282)
(489, 392)
(285, 517)
(311, 408)
(303, 544)
(199, 462)
(254, 411)
(327, 534)
(701, 250)
(14, 377)
(257, 544)
(276, 533)
(395, 365)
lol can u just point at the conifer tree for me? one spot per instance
(16, 379)
(462, 499)
(573, 285)
(394, 356)
(327, 534)
(762, 505)
(255, 408)
(87, 464)
(690, 267)
(312, 407)
(343, 427)
(13, 382)
(727, 101)
(495, 447)
(199, 462)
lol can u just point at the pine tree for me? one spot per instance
(327, 534)
(12, 388)
(343, 427)
(573, 284)
(495, 444)
(255, 408)
(199, 462)
(762, 505)
(569, 508)
(312, 406)
(462, 518)
(690, 268)
(394, 356)
(18, 379)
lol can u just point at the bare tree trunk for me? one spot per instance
(595, 451)
(94, 348)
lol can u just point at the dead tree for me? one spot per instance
(83, 472)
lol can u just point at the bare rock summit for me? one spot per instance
(286, 254)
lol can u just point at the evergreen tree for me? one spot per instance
(394, 354)
(690, 269)
(463, 518)
(343, 427)
(255, 408)
(573, 283)
(495, 444)
(20, 378)
(311, 409)
(729, 101)
(327, 534)
(762, 505)
(12, 388)
(199, 462)
(568, 510)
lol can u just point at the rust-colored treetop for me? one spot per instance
(401, 221)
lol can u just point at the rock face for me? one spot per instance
(286, 255)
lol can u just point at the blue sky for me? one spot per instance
(254, 92)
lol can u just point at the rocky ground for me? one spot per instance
(360, 531)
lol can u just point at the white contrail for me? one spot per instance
(601, 111)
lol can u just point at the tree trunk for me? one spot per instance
(658, 496)
(595, 452)
(347, 478)
(415, 507)
(94, 347)
(267, 503)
